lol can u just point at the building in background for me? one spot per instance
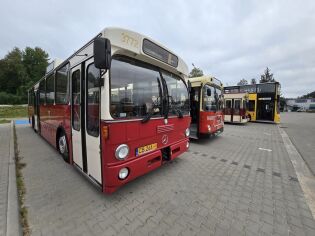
(294, 104)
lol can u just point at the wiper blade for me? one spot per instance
(175, 109)
(147, 117)
(151, 113)
(178, 112)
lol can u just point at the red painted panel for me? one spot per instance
(136, 134)
(214, 119)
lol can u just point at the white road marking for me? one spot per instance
(265, 149)
(304, 175)
(267, 134)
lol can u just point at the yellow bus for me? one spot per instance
(263, 100)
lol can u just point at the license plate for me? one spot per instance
(145, 149)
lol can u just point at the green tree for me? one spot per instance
(253, 81)
(309, 95)
(19, 70)
(267, 76)
(242, 82)
(195, 72)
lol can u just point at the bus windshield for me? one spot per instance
(178, 93)
(212, 101)
(137, 89)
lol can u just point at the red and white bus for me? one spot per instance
(235, 109)
(206, 103)
(116, 109)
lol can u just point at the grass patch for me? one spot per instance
(19, 165)
(13, 111)
(4, 121)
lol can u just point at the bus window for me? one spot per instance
(209, 103)
(62, 87)
(93, 96)
(76, 98)
(178, 92)
(220, 99)
(50, 90)
(135, 89)
(251, 105)
(237, 103)
(244, 104)
(42, 92)
(228, 104)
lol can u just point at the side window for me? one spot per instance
(228, 104)
(237, 104)
(76, 98)
(50, 90)
(251, 105)
(92, 100)
(42, 92)
(62, 87)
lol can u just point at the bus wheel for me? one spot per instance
(63, 146)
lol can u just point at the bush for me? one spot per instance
(11, 99)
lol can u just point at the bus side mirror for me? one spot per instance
(208, 92)
(102, 53)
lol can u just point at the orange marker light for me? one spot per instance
(105, 132)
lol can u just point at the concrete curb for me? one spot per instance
(13, 215)
(304, 175)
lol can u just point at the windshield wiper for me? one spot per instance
(151, 113)
(175, 110)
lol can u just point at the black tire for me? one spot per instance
(63, 146)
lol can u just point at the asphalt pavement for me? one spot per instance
(300, 126)
(239, 183)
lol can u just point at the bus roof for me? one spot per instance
(197, 81)
(130, 42)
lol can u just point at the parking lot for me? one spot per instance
(239, 183)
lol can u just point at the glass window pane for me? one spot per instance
(237, 104)
(209, 102)
(62, 88)
(92, 100)
(50, 90)
(135, 89)
(178, 92)
(76, 98)
(42, 92)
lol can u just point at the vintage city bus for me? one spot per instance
(235, 107)
(206, 106)
(263, 101)
(116, 109)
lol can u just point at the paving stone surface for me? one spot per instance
(5, 133)
(239, 183)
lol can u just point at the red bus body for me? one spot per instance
(167, 135)
(206, 111)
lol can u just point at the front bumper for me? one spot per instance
(139, 166)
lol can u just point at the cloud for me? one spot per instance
(228, 39)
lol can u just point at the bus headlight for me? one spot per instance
(187, 132)
(123, 173)
(122, 152)
(187, 145)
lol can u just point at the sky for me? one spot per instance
(228, 39)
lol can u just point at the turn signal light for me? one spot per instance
(105, 132)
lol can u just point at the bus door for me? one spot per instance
(85, 119)
(194, 110)
(265, 108)
(228, 110)
(236, 110)
(36, 111)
